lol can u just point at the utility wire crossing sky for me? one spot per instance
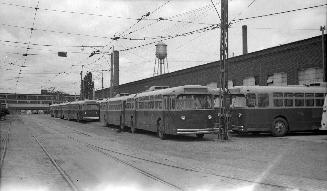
(33, 32)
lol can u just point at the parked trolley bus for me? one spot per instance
(86, 110)
(276, 109)
(186, 109)
(324, 116)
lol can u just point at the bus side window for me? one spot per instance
(172, 102)
(309, 99)
(263, 100)
(299, 101)
(288, 101)
(319, 99)
(250, 100)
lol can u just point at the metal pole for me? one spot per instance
(224, 108)
(111, 72)
(102, 96)
(81, 93)
(83, 90)
(160, 66)
(322, 29)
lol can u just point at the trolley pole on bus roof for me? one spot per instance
(223, 73)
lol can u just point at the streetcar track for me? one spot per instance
(183, 168)
(5, 146)
(94, 148)
(98, 148)
(60, 170)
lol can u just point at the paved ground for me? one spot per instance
(44, 153)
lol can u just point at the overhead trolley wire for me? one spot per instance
(55, 31)
(93, 14)
(276, 13)
(120, 34)
(28, 45)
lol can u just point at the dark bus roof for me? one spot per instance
(270, 89)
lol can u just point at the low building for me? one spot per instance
(18, 102)
(294, 63)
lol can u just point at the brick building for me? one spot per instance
(295, 63)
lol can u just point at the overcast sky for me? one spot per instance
(58, 29)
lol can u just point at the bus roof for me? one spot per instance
(270, 89)
(121, 97)
(187, 89)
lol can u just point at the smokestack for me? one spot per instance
(245, 39)
(115, 61)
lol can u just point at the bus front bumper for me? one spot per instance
(197, 131)
(91, 118)
(238, 128)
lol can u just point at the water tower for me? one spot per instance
(161, 59)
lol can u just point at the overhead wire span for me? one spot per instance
(93, 14)
(276, 13)
(55, 31)
(28, 45)
(120, 34)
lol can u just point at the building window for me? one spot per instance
(310, 75)
(277, 79)
(250, 81)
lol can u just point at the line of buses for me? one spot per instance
(193, 109)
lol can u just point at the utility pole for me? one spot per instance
(322, 29)
(82, 85)
(111, 71)
(102, 83)
(81, 93)
(223, 77)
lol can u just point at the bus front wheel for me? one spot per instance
(279, 127)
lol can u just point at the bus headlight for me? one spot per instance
(183, 117)
(209, 116)
(239, 114)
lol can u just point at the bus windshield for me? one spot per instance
(194, 102)
(90, 107)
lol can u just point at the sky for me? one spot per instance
(70, 25)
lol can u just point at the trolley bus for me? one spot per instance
(180, 110)
(276, 109)
(324, 116)
(86, 110)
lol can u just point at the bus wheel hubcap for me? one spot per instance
(279, 126)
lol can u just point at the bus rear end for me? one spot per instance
(90, 111)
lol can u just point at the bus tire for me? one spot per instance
(160, 131)
(200, 136)
(279, 127)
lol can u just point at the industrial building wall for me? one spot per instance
(289, 58)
